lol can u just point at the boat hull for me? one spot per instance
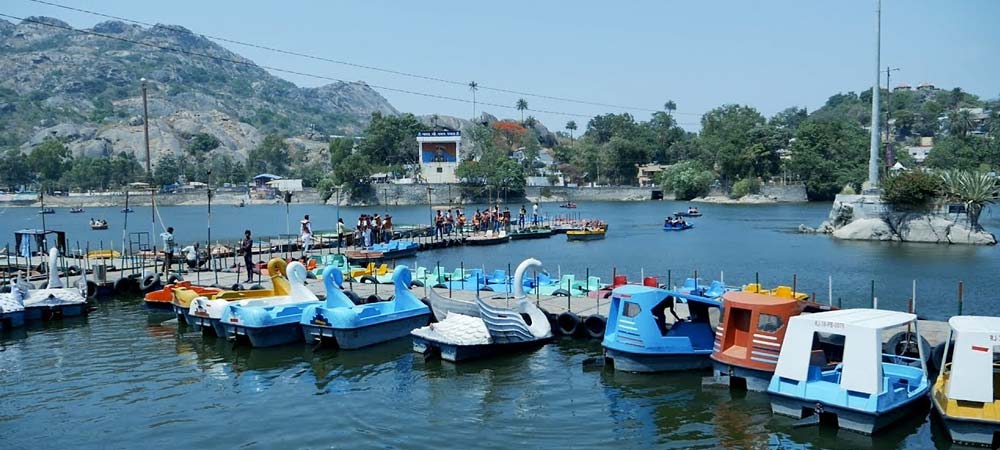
(353, 338)
(159, 305)
(181, 312)
(678, 228)
(459, 353)
(848, 419)
(969, 432)
(641, 362)
(52, 312)
(269, 336)
(487, 241)
(207, 325)
(584, 237)
(11, 320)
(755, 380)
(531, 235)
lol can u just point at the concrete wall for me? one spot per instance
(785, 192)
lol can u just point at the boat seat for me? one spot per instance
(753, 287)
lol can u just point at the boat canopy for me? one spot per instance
(750, 300)
(861, 328)
(626, 291)
(972, 366)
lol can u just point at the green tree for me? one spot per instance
(571, 126)
(974, 189)
(827, 155)
(354, 174)
(125, 169)
(670, 107)
(730, 131)
(391, 140)
(88, 173)
(15, 170)
(167, 169)
(271, 156)
(202, 143)
(961, 122)
(340, 149)
(687, 180)
(964, 153)
(914, 190)
(521, 105)
(48, 161)
(494, 172)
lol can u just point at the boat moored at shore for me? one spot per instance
(967, 392)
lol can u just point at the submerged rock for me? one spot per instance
(867, 230)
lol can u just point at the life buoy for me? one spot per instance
(148, 281)
(416, 283)
(938, 357)
(91, 290)
(236, 287)
(369, 279)
(174, 278)
(905, 344)
(569, 323)
(440, 286)
(73, 271)
(553, 322)
(560, 293)
(373, 299)
(594, 325)
(486, 288)
(123, 285)
(354, 297)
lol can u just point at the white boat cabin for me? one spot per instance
(861, 370)
(977, 342)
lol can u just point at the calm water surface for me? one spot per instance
(122, 378)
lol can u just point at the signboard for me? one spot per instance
(438, 152)
(438, 133)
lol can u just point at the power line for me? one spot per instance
(352, 64)
(273, 68)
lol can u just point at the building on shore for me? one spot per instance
(648, 173)
(439, 153)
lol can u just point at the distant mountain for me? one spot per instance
(85, 89)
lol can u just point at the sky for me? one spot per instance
(636, 54)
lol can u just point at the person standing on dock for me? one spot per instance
(341, 228)
(387, 228)
(439, 225)
(520, 217)
(461, 223)
(246, 246)
(534, 214)
(169, 245)
(306, 235)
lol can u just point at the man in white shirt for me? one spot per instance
(306, 235)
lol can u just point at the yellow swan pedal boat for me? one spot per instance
(779, 291)
(275, 268)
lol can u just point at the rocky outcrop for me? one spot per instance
(545, 137)
(85, 90)
(866, 218)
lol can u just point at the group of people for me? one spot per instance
(674, 221)
(453, 221)
(370, 230)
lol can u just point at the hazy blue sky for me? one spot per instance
(701, 54)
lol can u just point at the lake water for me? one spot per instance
(122, 378)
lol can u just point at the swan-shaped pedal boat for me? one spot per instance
(56, 301)
(492, 330)
(270, 321)
(349, 326)
(203, 311)
(12, 304)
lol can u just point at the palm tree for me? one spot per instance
(521, 105)
(961, 122)
(473, 86)
(974, 189)
(670, 107)
(571, 126)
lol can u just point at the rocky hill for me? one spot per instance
(85, 89)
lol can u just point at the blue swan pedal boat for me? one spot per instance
(270, 321)
(641, 338)
(867, 390)
(349, 326)
(677, 226)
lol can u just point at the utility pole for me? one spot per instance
(874, 147)
(890, 157)
(149, 173)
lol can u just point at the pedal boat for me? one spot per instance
(164, 298)
(491, 331)
(639, 337)
(967, 392)
(56, 301)
(270, 321)
(204, 311)
(12, 305)
(867, 391)
(348, 326)
(749, 336)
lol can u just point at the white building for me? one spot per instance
(439, 153)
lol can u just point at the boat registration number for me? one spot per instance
(234, 320)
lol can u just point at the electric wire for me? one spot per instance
(356, 65)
